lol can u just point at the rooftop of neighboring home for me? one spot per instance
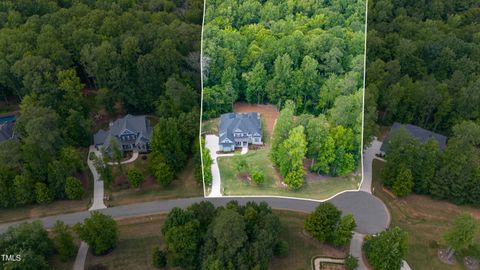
(130, 124)
(420, 134)
(240, 123)
(6, 127)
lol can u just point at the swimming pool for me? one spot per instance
(8, 118)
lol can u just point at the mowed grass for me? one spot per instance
(183, 187)
(232, 184)
(138, 236)
(37, 211)
(425, 220)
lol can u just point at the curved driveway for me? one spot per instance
(369, 212)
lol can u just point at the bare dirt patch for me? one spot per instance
(268, 112)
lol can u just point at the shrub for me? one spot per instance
(135, 177)
(322, 223)
(351, 262)
(99, 231)
(281, 248)
(159, 258)
(258, 177)
(74, 189)
(241, 164)
(386, 250)
(43, 195)
(63, 241)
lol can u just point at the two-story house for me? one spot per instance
(239, 130)
(132, 133)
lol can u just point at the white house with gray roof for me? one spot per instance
(132, 133)
(239, 130)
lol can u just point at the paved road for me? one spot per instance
(369, 212)
(98, 192)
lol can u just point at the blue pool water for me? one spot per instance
(8, 118)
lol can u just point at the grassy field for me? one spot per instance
(36, 211)
(424, 219)
(184, 186)
(232, 184)
(138, 236)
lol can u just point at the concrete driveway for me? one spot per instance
(368, 157)
(98, 192)
(211, 142)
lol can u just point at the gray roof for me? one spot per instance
(6, 131)
(238, 122)
(418, 133)
(139, 125)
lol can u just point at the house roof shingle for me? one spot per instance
(238, 122)
(420, 134)
(135, 124)
(6, 131)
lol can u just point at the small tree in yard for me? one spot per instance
(135, 177)
(163, 173)
(74, 189)
(159, 258)
(281, 248)
(63, 241)
(344, 234)
(104, 170)
(351, 263)
(386, 250)
(258, 177)
(322, 223)
(43, 195)
(461, 235)
(99, 231)
(403, 184)
(241, 164)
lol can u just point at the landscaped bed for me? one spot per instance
(234, 183)
(138, 236)
(425, 220)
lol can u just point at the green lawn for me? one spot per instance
(138, 236)
(424, 219)
(233, 185)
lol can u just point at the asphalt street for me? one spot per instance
(369, 212)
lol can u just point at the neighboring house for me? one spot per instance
(132, 133)
(418, 133)
(239, 129)
(6, 128)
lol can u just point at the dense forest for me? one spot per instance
(136, 56)
(423, 67)
(230, 237)
(305, 57)
(310, 52)
(423, 64)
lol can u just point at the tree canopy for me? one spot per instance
(231, 237)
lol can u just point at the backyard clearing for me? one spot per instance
(139, 235)
(235, 183)
(268, 112)
(425, 220)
